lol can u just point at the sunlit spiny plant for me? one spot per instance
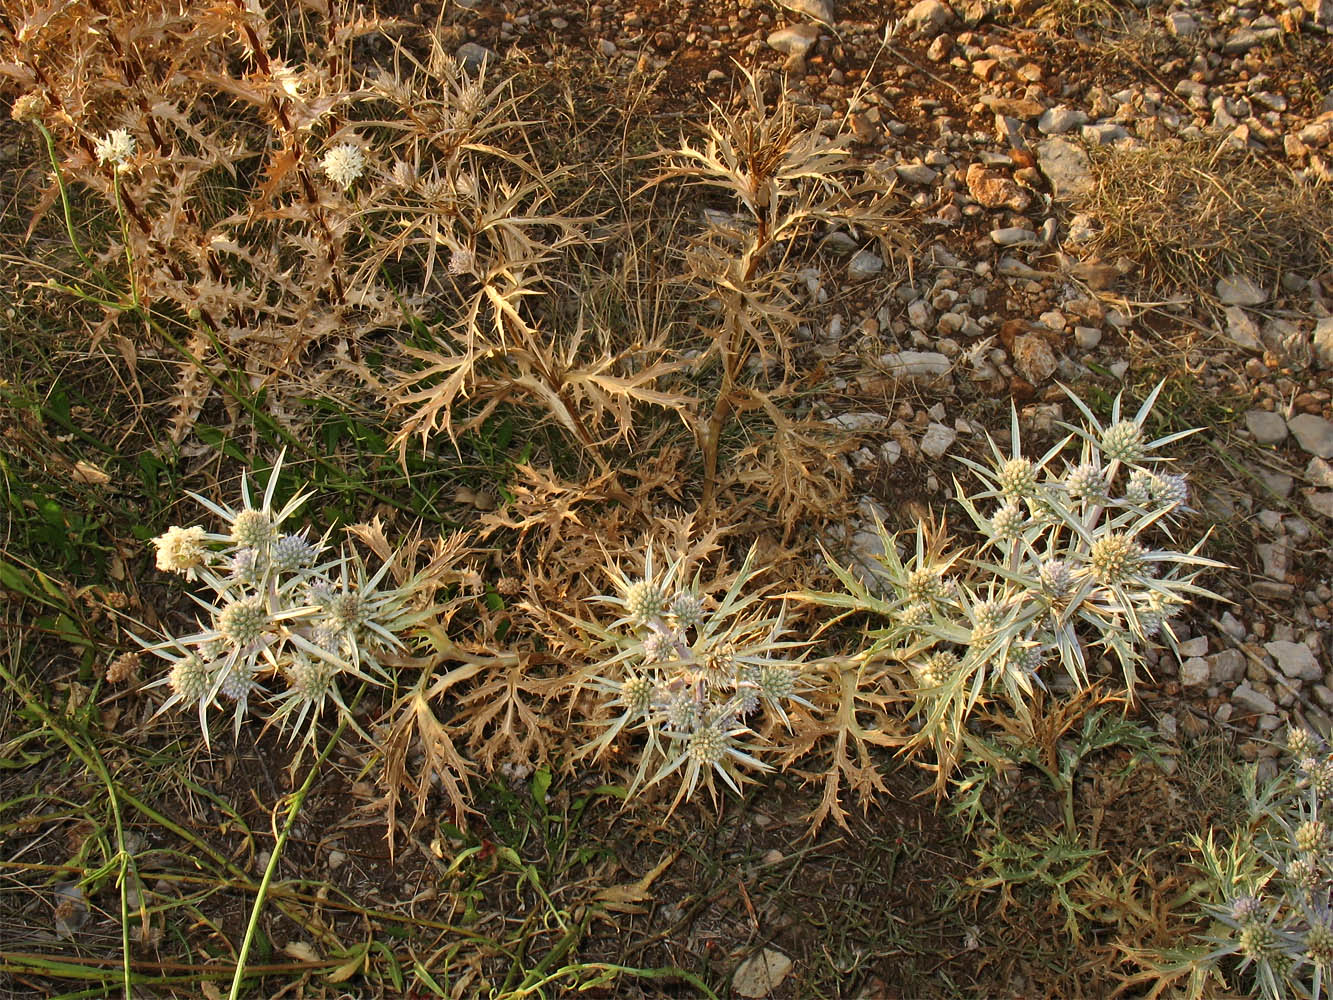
(1076, 558)
(694, 674)
(284, 622)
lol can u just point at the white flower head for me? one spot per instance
(116, 148)
(180, 550)
(344, 163)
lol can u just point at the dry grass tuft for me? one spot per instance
(1187, 211)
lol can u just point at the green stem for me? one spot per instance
(297, 800)
(64, 198)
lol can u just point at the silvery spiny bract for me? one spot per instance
(696, 676)
(1076, 559)
(279, 625)
(1272, 886)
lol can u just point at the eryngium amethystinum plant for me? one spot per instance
(282, 624)
(701, 678)
(1078, 561)
(1273, 885)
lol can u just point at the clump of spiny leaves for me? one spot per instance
(694, 674)
(285, 622)
(1078, 562)
(1273, 884)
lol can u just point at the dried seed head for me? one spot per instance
(123, 668)
(29, 107)
(707, 746)
(239, 681)
(242, 621)
(461, 261)
(925, 584)
(644, 601)
(189, 679)
(346, 610)
(1085, 481)
(1009, 521)
(687, 609)
(1017, 479)
(310, 678)
(1115, 557)
(292, 552)
(719, 664)
(1310, 836)
(915, 614)
(116, 148)
(343, 164)
(252, 529)
(1319, 943)
(1123, 442)
(682, 714)
(402, 175)
(937, 669)
(180, 550)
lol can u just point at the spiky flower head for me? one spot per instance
(1319, 942)
(346, 610)
(719, 663)
(1305, 873)
(1115, 557)
(1017, 479)
(707, 746)
(658, 647)
(1258, 942)
(310, 678)
(245, 566)
(402, 175)
(123, 667)
(1170, 490)
(915, 614)
(1301, 742)
(189, 679)
(1139, 489)
(344, 163)
(238, 681)
(116, 148)
(1009, 521)
(937, 669)
(644, 601)
(1025, 657)
(1321, 777)
(687, 609)
(1310, 835)
(1056, 577)
(242, 621)
(1246, 910)
(461, 261)
(180, 550)
(1123, 442)
(986, 619)
(292, 552)
(252, 529)
(925, 584)
(1085, 481)
(28, 107)
(746, 699)
(776, 683)
(636, 694)
(682, 713)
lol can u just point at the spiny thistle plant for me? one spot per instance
(283, 624)
(700, 678)
(1274, 882)
(1077, 559)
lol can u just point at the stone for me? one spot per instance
(1012, 236)
(1321, 503)
(917, 173)
(1060, 119)
(1240, 41)
(918, 313)
(1313, 434)
(816, 10)
(474, 56)
(1276, 558)
(915, 364)
(1321, 341)
(1034, 358)
(1103, 133)
(1241, 330)
(1227, 667)
(1197, 646)
(929, 17)
(863, 265)
(1238, 290)
(1319, 473)
(1195, 672)
(1087, 337)
(1253, 701)
(940, 48)
(796, 40)
(759, 975)
(1066, 166)
(1266, 426)
(1295, 660)
(859, 420)
(937, 440)
(1181, 24)
(994, 190)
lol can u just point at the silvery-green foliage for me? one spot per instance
(1273, 884)
(693, 674)
(1077, 561)
(284, 620)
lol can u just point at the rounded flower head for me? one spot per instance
(1017, 479)
(1258, 942)
(245, 567)
(1123, 442)
(681, 712)
(658, 647)
(1305, 873)
(644, 601)
(309, 678)
(925, 584)
(687, 609)
(1300, 742)
(937, 669)
(776, 682)
(116, 148)
(915, 614)
(180, 550)
(986, 619)
(239, 681)
(636, 694)
(719, 664)
(1009, 521)
(1321, 776)
(1056, 577)
(1085, 481)
(1115, 557)
(1025, 657)
(1171, 491)
(1311, 835)
(344, 163)
(252, 529)
(292, 552)
(28, 108)
(707, 746)
(189, 679)
(1139, 489)
(1246, 910)
(346, 610)
(1319, 943)
(242, 622)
